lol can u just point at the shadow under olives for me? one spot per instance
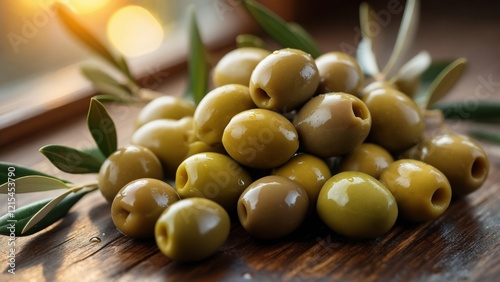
(440, 198)
(479, 168)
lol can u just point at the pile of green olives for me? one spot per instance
(280, 139)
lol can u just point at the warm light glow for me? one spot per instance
(85, 6)
(134, 31)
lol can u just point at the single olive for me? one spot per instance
(332, 124)
(397, 122)
(309, 171)
(339, 72)
(139, 204)
(422, 192)
(260, 138)
(192, 229)
(369, 158)
(237, 66)
(354, 204)
(126, 164)
(461, 159)
(165, 107)
(376, 85)
(217, 108)
(284, 80)
(272, 207)
(214, 176)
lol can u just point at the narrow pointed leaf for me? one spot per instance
(471, 110)
(106, 84)
(486, 136)
(17, 171)
(102, 128)
(408, 77)
(249, 40)
(34, 183)
(365, 53)
(71, 160)
(287, 35)
(95, 152)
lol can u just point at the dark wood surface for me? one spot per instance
(463, 244)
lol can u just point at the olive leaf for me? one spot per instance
(71, 160)
(482, 111)
(95, 152)
(197, 61)
(406, 35)
(485, 136)
(249, 40)
(365, 53)
(102, 128)
(411, 72)
(432, 90)
(34, 183)
(106, 84)
(11, 170)
(18, 220)
(288, 35)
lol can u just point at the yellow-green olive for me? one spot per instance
(165, 107)
(284, 80)
(217, 108)
(339, 72)
(192, 229)
(354, 204)
(214, 176)
(237, 66)
(461, 159)
(272, 207)
(126, 164)
(139, 204)
(421, 191)
(397, 122)
(260, 138)
(309, 171)
(376, 85)
(332, 124)
(369, 158)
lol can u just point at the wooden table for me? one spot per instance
(462, 244)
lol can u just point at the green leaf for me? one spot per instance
(197, 62)
(365, 53)
(288, 35)
(94, 152)
(409, 75)
(406, 34)
(18, 220)
(71, 160)
(433, 90)
(102, 128)
(106, 84)
(249, 40)
(471, 110)
(11, 170)
(33, 183)
(486, 136)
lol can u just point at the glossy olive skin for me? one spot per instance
(354, 204)
(260, 138)
(126, 164)
(192, 229)
(236, 66)
(397, 122)
(461, 159)
(377, 85)
(272, 207)
(339, 72)
(369, 158)
(422, 192)
(217, 108)
(284, 80)
(332, 124)
(214, 176)
(139, 204)
(165, 107)
(309, 171)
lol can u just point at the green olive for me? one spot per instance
(354, 204)
(376, 85)
(216, 110)
(309, 171)
(422, 192)
(272, 207)
(165, 107)
(260, 138)
(214, 176)
(461, 159)
(397, 122)
(192, 229)
(369, 158)
(339, 72)
(332, 124)
(126, 164)
(139, 204)
(237, 66)
(284, 80)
